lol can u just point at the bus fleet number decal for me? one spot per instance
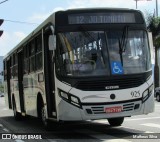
(135, 94)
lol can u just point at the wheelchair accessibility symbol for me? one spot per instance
(117, 68)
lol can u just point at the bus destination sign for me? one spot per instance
(101, 18)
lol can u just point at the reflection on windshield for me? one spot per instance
(83, 53)
(97, 53)
(136, 57)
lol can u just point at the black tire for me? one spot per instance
(43, 116)
(158, 97)
(17, 115)
(116, 121)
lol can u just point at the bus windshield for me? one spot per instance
(99, 53)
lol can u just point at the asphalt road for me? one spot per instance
(138, 128)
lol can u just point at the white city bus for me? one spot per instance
(82, 64)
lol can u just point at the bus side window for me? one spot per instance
(14, 66)
(32, 56)
(4, 68)
(38, 55)
(26, 60)
(11, 66)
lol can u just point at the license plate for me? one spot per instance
(113, 109)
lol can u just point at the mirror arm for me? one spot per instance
(52, 29)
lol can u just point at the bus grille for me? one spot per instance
(126, 107)
(98, 110)
(100, 85)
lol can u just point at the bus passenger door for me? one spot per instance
(49, 75)
(9, 83)
(20, 80)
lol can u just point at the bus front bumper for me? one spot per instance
(69, 112)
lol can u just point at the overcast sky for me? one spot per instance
(35, 11)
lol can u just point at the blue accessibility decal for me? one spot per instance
(117, 67)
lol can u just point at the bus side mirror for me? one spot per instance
(52, 42)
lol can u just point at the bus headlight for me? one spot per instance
(151, 88)
(145, 96)
(147, 93)
(64, 95)
(74, 100)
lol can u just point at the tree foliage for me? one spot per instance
(153, 25)
(1, 88)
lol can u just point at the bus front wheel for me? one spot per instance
(45, 121)
(116, 121)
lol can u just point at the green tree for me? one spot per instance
(153, 25)
(1, 88)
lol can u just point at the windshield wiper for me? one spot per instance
(122, 43)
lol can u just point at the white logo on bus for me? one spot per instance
(111, 87)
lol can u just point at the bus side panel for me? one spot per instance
(32, 87)
(6, 94)
(28, 93)
(15, 92)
